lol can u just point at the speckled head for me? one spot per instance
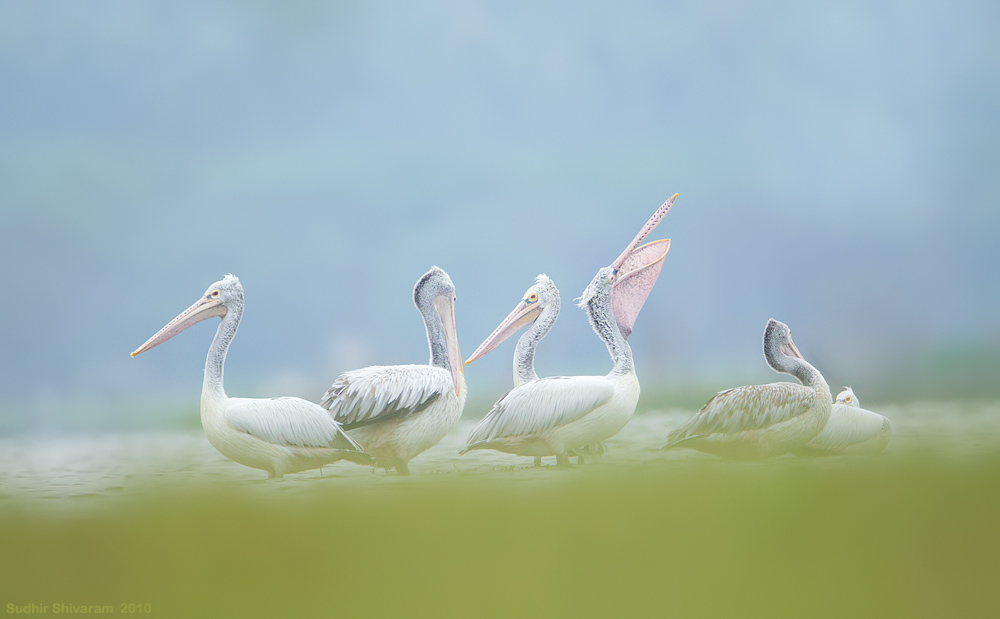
(434, 296)
(221, 297)
(433, 283)
(778, 343)
(542, 295)
(599, 288)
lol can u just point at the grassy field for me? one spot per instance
(901, 536)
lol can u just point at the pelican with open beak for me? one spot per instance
(558, 415)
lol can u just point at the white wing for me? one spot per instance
(369, 395)
(747, 408)
(848, 426)
(541, 405)
(292, 422)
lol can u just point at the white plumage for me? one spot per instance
(851, 430)
(515, 414)
(543, 404)
(563, 415)
(758, 421)
(360, 397)
(398, 411)
(277, 435)
(556, 415)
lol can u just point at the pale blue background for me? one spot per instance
(837, 164)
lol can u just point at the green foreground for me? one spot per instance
(883, 537)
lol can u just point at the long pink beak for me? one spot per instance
(205, 307)
(522, 315)
(446, 309)
(644, 232)
(638, 269)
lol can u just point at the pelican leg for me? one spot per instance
(402, 468)
(538, 461)
(562, 459)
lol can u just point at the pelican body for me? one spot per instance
(560, 415)
(758, 421)
(851, 430)
(278, 435)
(398, 411)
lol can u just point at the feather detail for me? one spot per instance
(291, 422)
(751, 407)
(381, 392)
(541, 405)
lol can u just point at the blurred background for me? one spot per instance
(836, 163)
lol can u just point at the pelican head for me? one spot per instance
(632, 274)
(847, 398)
(434, 295)
(599, 288)
(778, 345)
(541, 295)
(221, 297)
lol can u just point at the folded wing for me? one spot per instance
(541, 405)
(381, 392)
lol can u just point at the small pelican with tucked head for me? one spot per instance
(398, 411)
(851, 430)
(758, 421)
(557, 416)
(277, 435)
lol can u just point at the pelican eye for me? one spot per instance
(532, 297)
(848, 399)
(214, 293)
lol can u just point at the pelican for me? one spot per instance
(758, 421)
(277, 435)
(559, 415)
(539, 307)
(851, 430)
(398, 411)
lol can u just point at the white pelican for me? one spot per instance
(539, 307)
(851, 430)
(758, 421)
(278, 435)
(558, 415)
(397, 411)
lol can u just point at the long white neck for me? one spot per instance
(601, 316)
(800, 369)
(214, 364)
(524, 353)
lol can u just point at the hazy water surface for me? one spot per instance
(87, 468)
